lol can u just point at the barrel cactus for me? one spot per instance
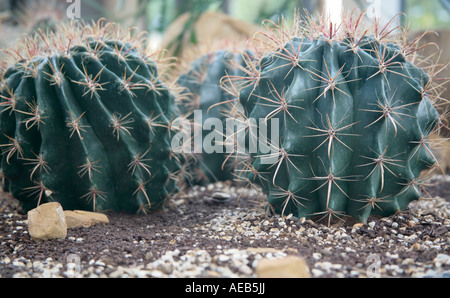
(84, 121)
(203, 94)
(353, 115)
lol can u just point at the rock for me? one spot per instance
(47, 221)
(220, 197)
(316, 255)
(442, 259)
(261, 250)
(358, 225)
(223, 258)
(416, 246)
(80, 218)
(288, 267)
(165, 268)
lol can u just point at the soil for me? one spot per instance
(233, 234)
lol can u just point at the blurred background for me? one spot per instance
(169, 21)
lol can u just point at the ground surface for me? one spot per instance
(202, 236)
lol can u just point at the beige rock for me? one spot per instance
(47, 221)
(358, 225)
(288, 267)
(80, 218)
(439, 43)
(441, 150)
(259, 250)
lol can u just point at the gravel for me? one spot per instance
(223, 231)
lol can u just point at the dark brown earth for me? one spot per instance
(194, 222)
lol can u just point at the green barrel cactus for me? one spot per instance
(202, 88)
(353, 114)
(84, 121)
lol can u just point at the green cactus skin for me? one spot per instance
(78, 128)
(202, 85)
(354, 123)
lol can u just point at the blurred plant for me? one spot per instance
(157, 15)
(446, 4)
(285, 8)
(196, 8)
(428, 14)
(35, 15)
(420, 14)
(27, 17)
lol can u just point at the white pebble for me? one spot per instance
(317, 273)
(223, 258)
(317, 255)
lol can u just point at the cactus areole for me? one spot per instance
(84, 121)
(355, 115)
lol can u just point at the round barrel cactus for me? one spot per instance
(84, 121)
(353, 114)
(207, 100)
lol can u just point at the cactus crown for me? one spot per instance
(79, 33)
(355, 105)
